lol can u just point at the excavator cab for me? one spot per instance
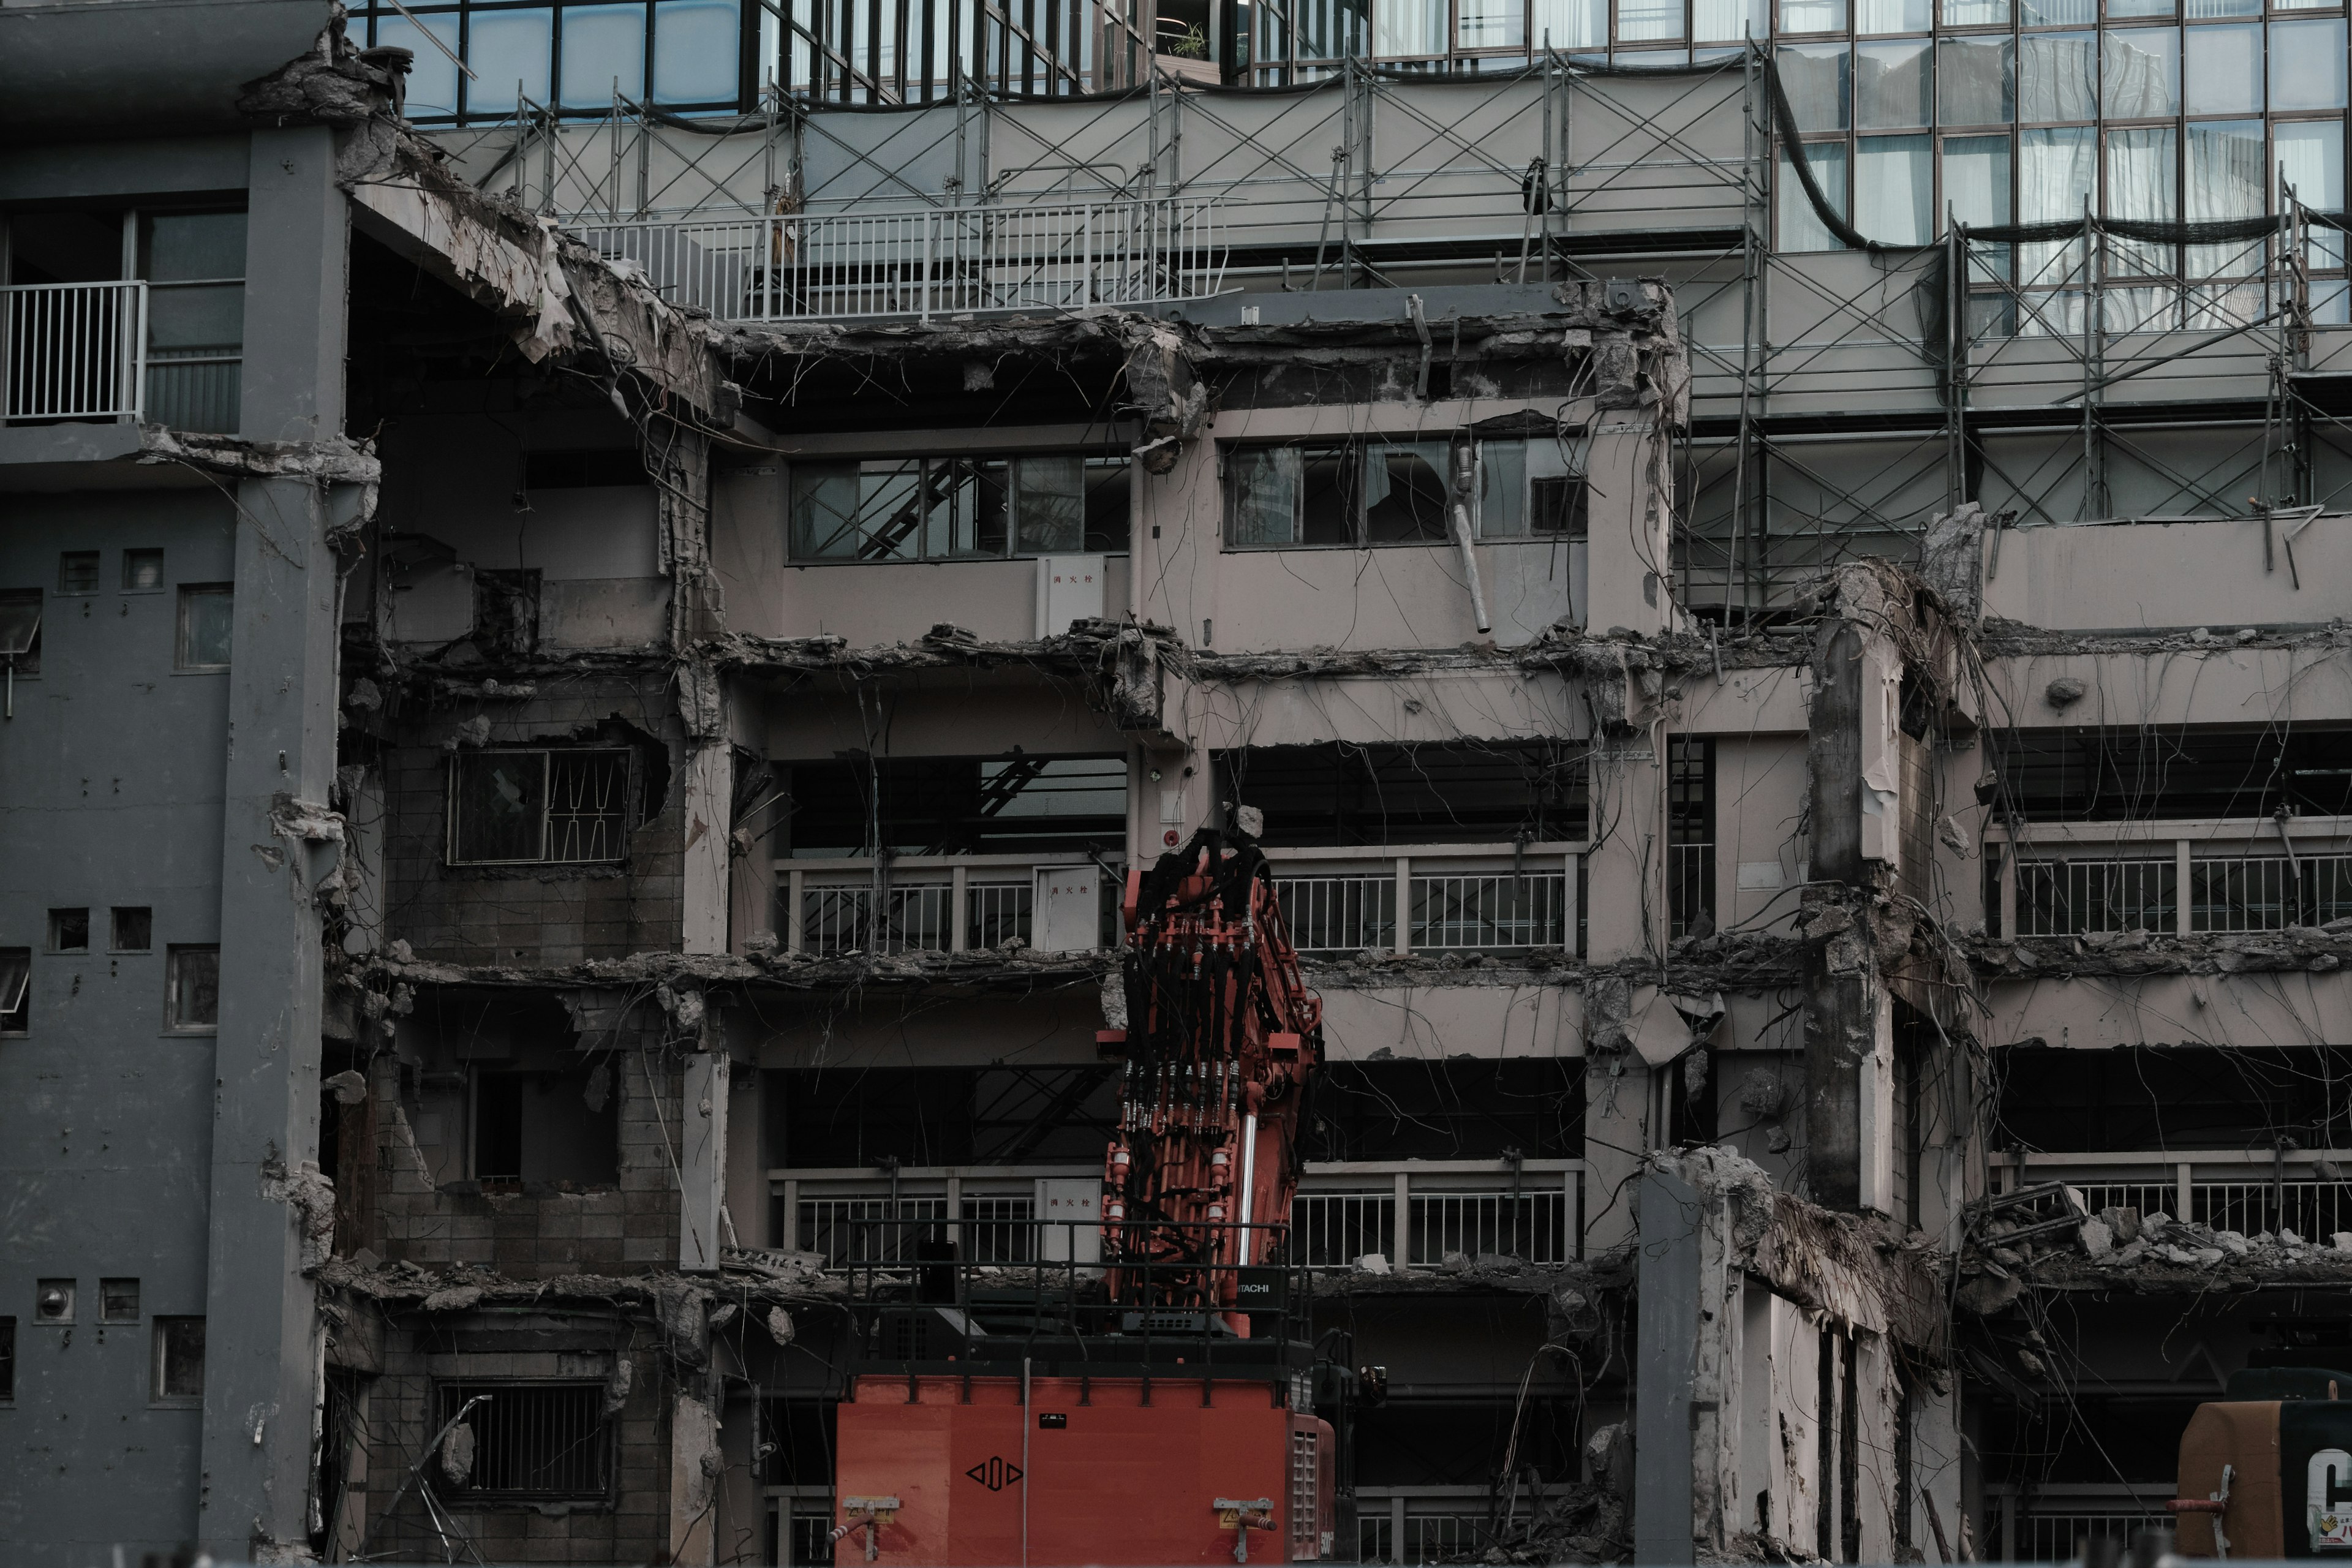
(2266, 1469)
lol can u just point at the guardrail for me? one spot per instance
(2247, 1191)
(2088, 879)
(1421, 1212)
(1469, 898)
(938, 261)
(72, 350)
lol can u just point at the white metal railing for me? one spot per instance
(1455, 897)
(1419, 1211)
(2247, 1191)
(72, 350)
(927, 904)
(936, 261)
(2184, 878)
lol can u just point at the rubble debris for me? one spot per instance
(2119, 955)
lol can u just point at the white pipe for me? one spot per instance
(1249, 1183)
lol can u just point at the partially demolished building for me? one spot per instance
(1820, 814)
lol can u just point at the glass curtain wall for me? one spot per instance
(2001, 112)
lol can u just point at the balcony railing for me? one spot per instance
(1454, 900)
(1423, 1212)
(72, 350)
(939, 261)
(2241, 876)
(2051, 1523)
(942, 904)
(2247, 1191)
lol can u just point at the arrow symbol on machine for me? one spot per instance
(994, 1474)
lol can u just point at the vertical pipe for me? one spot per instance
(1404, 903)
(1401, 1222)
(2184, 918)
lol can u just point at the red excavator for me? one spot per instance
(1139, 1386)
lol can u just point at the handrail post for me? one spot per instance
(931, 231)
(139, 353)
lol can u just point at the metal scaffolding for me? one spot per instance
(1840, 398)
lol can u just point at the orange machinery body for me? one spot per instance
(1109, 1479)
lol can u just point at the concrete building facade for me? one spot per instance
(584, 681)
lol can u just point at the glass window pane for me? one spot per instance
(1502, 490)
(2143, 172)
(1649, 21)
(965, 500)
(1329, 480)
(2307, 64)
(1717, 20)
(206, 616)
(1977, 80)
(889, 510)
(2226, 180)
(1580, 23)
(1801, 227)
(825, 511)
(2059, 13)
(1893, 85)
(1501, 24)
(2143, 73)
(2054, 176)
(2121, 8)
(2310, 158)
(432, 77)
(191, 247)
(2197, 10)
(193, 977)
(1406, 490)
(1975, 13)
(499, 807)
(1894, 188)
(698, 45)
(1264, 483)
(1975, 179)
(1049, 505)
(1812, 16)
(505, 48)
(2224, 71)
(602, 46)
(1891, 17)
(1408, 26)
(2058, 77)
(1814, 78)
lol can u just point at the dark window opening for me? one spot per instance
(956, 805)
(192, 982)
(1446, 1110)
(800, 1446)
(179, 1370)
(505, 612)
(1387, 491)
(77, 572)
(15, 990)
(20, 631)
(2135, 774)
(7, 1359)
(142, 571)
(836, 1118)
(1338, 793)
(1690, 835)
(532, 1442)
(68, 931)
(2063, 1099)
(133, 929)
(558, 1128)
(118, 1301)
(1427, 1442)
(525, 807)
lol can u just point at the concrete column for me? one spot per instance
(261, 1314)
(1667, 1290)
(702, 1160)
(706, 891)
(1629, 570)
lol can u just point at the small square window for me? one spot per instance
(142, 571)
(15, 990)
(20, 631)
(118, 1301)
(53, 1301)
(134, 929)
(193, 982)
(68, 931)
(179, 1359)
(8, 1360)
(77, 572)
(204, 612)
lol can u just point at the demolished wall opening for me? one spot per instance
(1340, 793)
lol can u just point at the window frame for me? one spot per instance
(183, 663)
(1351, 451)
(449, 1395)
(131, 556)
(174, 954)
(628, 815)
(22, 1010)
(26, 666)
(1090, 462)
(159, 1363)
(749, 16)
